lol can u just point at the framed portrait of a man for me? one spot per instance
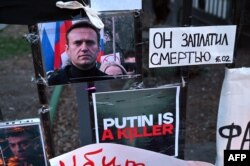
(76, 51)
(21, 143)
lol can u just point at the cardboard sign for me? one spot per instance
(105, 154)
(146, 118)
(191, 46)
(114, 5)
(22, 143)
(233, 122)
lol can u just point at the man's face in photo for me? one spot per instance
(82, 47)
(21, 146)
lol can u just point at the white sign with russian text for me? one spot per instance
(191, 46)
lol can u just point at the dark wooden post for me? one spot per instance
(186, 21)
(91, 89)
(138, 40)
(33, 38)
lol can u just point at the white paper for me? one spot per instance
(115, 5)
(234, 112)
(98, 154)
(191, 46)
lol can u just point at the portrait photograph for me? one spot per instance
(21, 144)
(76, 51)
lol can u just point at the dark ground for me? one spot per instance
(19, 99)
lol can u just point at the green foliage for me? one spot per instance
(13, 46)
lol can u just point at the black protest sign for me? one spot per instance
(147, 119)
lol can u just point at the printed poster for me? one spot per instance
(142, 118)
(21, 143)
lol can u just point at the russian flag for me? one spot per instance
(47, 31)
(102, 43)
(53, 43)
(60, 41)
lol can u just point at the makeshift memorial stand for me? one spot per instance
(86, 89)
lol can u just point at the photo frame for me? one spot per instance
(117, 49)
(21, 142)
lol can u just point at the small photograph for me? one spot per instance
(21, 144)
(76, 51)
(142, 118)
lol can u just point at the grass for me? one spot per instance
(10, 47)
(13, 44)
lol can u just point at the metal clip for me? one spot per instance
(44, 110)
(31, 38)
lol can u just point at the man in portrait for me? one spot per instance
(82, 48)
